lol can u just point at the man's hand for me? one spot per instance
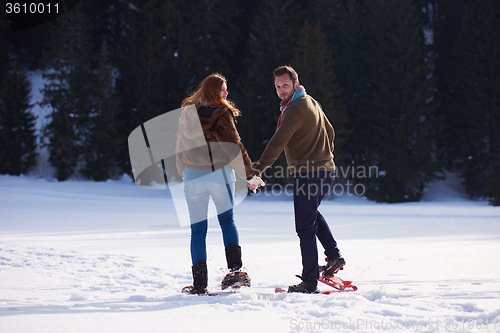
(254, 183)
(252, 187)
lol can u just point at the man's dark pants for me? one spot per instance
(309, 189)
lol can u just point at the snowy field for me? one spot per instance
(81, 256)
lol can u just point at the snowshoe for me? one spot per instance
(235, 280)
(193, 290)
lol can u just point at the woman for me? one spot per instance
(204, 178)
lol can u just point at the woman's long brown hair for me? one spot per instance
(208, 93)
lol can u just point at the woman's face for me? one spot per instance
(223, 92)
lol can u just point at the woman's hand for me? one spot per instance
(254, 183)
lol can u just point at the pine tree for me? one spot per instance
(272, 37)
(70, 92)
(106, 17)
(403, 128)
(324, 12)
(313, 61)
(473, 109)
(4, 46)
(201, 37)
(169, 46)
(143, 67)
(102, 149)
(447, 37)
(349, 47)
(147, 74)
(17, 123)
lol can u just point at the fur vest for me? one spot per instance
(222, 140)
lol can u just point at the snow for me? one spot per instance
(81, 256)
(37, 83)
(43, 167)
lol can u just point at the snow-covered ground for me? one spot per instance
(81, 256)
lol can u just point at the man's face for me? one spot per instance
(284, 87)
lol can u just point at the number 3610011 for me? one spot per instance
(31, 8)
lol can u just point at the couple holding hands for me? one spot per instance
(305, 134)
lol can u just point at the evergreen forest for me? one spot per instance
(412, 87)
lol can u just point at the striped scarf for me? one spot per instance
(299, 92)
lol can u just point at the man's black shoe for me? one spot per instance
(333, 265)
(304, 287)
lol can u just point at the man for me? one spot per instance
(306, 135)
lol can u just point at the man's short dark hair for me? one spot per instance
(287, 70)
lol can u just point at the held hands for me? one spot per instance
(254, 183)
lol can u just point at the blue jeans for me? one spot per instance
(198, 194)
(309, 190)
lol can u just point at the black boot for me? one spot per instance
(235, 278)
(306, 287)
(334, 264)
(200, 279)
(233, 257)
